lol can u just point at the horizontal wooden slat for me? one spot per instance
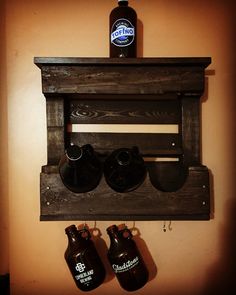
(158, 61)
(124, 128)
(125, 112)
(145, 203)
(159, 76)
(128, 79)
(149, 144)
(161, 159)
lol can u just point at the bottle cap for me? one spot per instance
(71, 229)
(122, 1)
(113, 228)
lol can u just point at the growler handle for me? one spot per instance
(84, 233)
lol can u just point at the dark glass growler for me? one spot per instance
(83, 260)
(126, 259)
(123, 30)
(80, 169)
(124, 169)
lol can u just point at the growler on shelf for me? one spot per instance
(124, 169)
(83, 260)
(123, 30)
(80, 168)
(126, 260)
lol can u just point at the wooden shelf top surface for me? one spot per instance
(161, 61)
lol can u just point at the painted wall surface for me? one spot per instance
(194, 258)
(4, 207)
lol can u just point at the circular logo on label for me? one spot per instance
(122, 33)
(80, 267)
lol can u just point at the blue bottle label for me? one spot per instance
(122, 33)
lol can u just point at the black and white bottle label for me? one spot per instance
(83, 276)
(126, 265)
(122, 33)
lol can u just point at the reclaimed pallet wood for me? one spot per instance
(82, 93)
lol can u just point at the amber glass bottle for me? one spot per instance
(123, 30)
(126, 259)
(83, 260)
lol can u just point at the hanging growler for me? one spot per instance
(83, 260)
(80, 168)
(123, 30)
(126, 260)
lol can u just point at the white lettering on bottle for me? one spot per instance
(122, 33)
(85, 277)
(126, 265)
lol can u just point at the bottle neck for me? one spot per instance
(74, 153)
(123, 3)
(72, 234)
(114, 236)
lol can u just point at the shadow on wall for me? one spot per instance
(143, 249)
(139, 38)
(221, 275)
(102, 249)
(4, 203)
(220, 278)
(147, 257)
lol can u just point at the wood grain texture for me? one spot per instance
(191, 130)
(125, 112)
(145, 203)
(149, 144)
(55, 129)
(127, 91)
(122, 76)
(129, 79)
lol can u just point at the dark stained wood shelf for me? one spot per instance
(145, 203)
(149, 91)
(179, 61)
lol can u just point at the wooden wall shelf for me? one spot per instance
(146, 91)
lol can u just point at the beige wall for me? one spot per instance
(4, 209)
(193, 258)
